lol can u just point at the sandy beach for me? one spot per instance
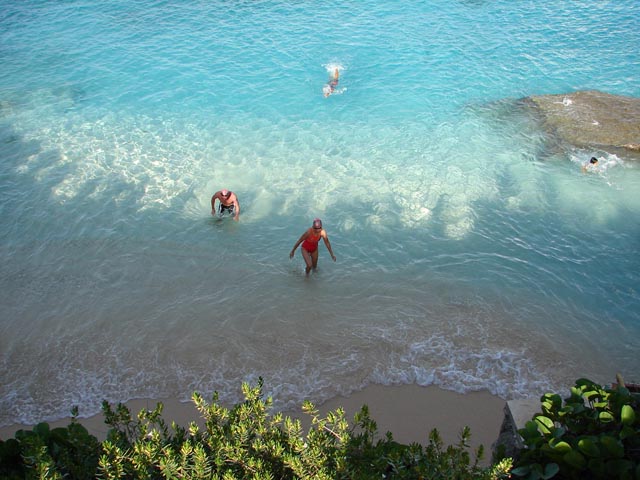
(409, 412)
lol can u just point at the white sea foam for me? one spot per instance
(331, 67)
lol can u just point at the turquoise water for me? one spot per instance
(470, 253)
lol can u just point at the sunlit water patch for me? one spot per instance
(472, 252)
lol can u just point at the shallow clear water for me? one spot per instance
(470, 254)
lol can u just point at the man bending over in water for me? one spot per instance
(333, 83)
(228, 203)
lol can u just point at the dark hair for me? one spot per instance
(593, 160)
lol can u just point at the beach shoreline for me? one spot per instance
(409, 412)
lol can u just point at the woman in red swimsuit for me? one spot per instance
(309, 240)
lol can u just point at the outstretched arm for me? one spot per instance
(236, 208)
(213, 204)
(325, 237)
(300, 240)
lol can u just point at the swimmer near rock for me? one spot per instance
(592, 119)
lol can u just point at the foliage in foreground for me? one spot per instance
(594, 434)
(245, 441)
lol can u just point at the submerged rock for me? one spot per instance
(592, 119)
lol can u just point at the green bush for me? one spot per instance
(594, 433)
(244, 442)
(69, 452)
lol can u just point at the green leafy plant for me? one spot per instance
(246, 441)
(69, 452)
(594, 433)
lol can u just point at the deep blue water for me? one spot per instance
(471, 254)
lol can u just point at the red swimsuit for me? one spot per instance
(310, 243)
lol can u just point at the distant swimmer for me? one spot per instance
(228, 203)
(592, 165)
(310, 240)
(331, 85)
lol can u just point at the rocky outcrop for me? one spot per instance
(592, 119)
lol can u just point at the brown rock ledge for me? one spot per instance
(592, 119)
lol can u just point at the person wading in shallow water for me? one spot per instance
(228, 203)
(309, 241)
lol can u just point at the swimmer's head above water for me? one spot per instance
(591, 166)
